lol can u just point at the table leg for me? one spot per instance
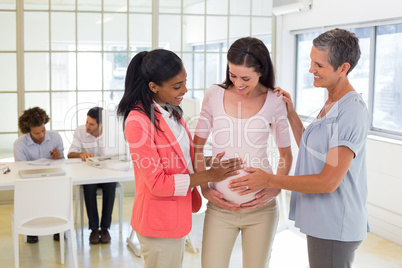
(190, 244)
(134, 244)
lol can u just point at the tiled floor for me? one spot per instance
(289, 248)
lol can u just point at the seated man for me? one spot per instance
(37, 143)
(87, 142)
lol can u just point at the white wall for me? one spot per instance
(383, 158)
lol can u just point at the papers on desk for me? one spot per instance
(44, 162)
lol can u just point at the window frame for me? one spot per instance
(374, 131)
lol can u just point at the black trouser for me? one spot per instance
(108, 192)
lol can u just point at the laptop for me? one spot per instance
(42, 172)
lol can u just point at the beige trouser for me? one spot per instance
(221, 228)
(162, 252)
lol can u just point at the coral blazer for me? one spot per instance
(157, 156)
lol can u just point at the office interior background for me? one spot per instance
(67, 56)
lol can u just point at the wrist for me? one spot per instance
(204, 186)
(207, 176)
(291, 113)
(270, 183)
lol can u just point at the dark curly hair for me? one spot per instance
(33, 117)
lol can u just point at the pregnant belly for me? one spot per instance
(232, 196)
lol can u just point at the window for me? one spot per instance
(382, 56)
(8, 81)
(75, 52)
(308, 98)
(387, 99)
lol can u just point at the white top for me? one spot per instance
(85, 142)
(246, 138)
(182, 181)
(341, 215)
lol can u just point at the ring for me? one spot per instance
(246, 187)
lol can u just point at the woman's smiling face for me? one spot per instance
(244, 79)
(171, 91)
(324, 74)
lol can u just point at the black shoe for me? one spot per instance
(32, 239)
(94, 238)
(56, 237)
(104, 236)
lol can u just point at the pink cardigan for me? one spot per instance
(157, 156)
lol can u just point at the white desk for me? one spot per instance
(81, 173)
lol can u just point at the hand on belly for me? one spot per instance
(232, 196)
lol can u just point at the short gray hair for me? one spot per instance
(342, 46)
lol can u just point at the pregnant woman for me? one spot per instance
(241, 113)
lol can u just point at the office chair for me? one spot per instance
(43, 206)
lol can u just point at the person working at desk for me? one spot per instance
(87, 143)
(37, 143)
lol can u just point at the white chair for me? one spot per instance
(80, 194)
(43, 206)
